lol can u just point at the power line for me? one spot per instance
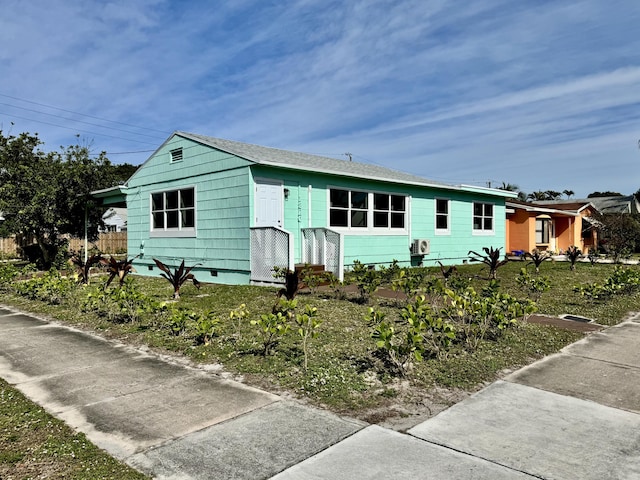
(77, 129)
(78, 121)
(128, 153)
(83, 114)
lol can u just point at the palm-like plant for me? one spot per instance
(178, 276)
(84, 268)
(573, 253)
(537, 257)
(118, 268)
(491, 259)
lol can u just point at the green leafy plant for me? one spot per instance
(572, 254)
(124, 304)
(178, 319)
(272, 327)
(118, 268)
(437, 333)
(534, 286)
(49, 287)
(206, 327)
(388, 274)
(401, 348)
(336, 285)
(239, 314)
(311, 278)
(366, 279)
(408, 282)
(8, 273)
(491, 259)
(479, 316)
(178, 276)
(537, 257)
(307, 325)
(621, 281)
(83, 269)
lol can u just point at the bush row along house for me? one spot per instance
(237, 210)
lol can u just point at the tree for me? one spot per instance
(44, 194)
(619, 233)
(509, 187)
(604, 194)
(569, 193)
(546, 195)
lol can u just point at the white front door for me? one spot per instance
(268, 203)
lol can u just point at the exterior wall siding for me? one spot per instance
(222, 185)
(225, 212)
(308, 206)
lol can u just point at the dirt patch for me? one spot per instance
(573, 325)
(412, 406)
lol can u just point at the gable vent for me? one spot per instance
(176, 155)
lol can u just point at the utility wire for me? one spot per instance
(83, 114)
(77, 129)
(80, 121)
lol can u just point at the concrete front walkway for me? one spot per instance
(574, 415)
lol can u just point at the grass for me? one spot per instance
(345, 372)
(33, 444)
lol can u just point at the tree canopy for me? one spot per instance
(44, 194)
(604, 194)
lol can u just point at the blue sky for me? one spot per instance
(542, 94)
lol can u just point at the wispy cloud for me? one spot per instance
(543, 94)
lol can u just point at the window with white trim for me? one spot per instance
(366, 210)
(173, 211)
(482, 217)
(442, 215)
(388, 210)
(542, 230)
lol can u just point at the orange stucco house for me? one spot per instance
(550, 228)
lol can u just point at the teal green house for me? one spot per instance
(238, 210)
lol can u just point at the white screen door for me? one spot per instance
(268, 203)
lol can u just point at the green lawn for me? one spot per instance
(33, 444)
(346, 372)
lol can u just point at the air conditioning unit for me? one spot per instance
(420, 246)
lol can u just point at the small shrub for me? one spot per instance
(51, 287)
(124, 304)
(8, 273)
(572, 254)
(491, 259)
(307, 324)
(534, 286)
(83, 269)
(178, 276)
(273, 326)
(366, 279)
(537, 257)
(336, 286)
(118, 268)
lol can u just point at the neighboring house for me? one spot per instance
(616, 204)
(237, 210)
(551, 228)
(115, 219)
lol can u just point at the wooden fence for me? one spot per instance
(109, 242)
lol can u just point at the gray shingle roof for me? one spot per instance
(304, 161)
(616, 204)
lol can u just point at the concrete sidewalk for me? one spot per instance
(574, 415)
